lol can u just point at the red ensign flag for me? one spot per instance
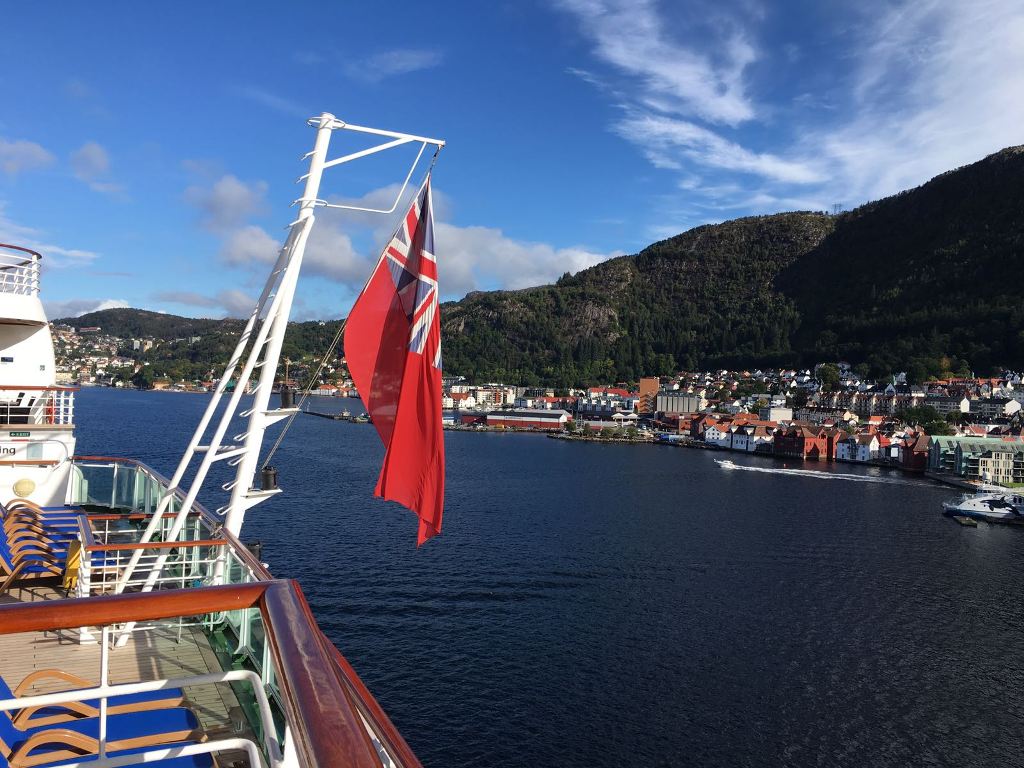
(393, 348)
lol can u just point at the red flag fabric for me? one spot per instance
(393, 349)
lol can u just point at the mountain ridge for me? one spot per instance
(902, 282)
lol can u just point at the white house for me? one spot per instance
(866, 447)
(747, 438)
(718, 434)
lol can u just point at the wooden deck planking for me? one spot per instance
(151, 654)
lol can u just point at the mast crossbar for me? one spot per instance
(256, 356)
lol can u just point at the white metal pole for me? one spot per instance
(204, 423)
(258, 418)
(104, 683)
(271, 334)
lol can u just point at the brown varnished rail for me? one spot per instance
(323, 696)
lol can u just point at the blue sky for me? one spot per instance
(149, 150)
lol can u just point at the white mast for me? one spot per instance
(274, 307)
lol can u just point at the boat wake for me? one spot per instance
(727, 464)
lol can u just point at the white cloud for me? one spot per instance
(90, 161)
(272, 101)
(56, 310)
(668, 141)
(937, 86)
(54, 256)
(91, 164)
(249, 245)
(394, 62)
(227, 203)
(471, 258)
(230, 303)
(929, 85)
(20, 155)
(631, 36)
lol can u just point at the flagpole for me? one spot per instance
(275, 303)
(243, 495)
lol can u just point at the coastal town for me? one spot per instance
(960, 429)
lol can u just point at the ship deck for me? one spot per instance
(157, 653)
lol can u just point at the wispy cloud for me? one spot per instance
(632, 36)
(54, 256)
(936, 86)
(666, 141)
(56, 310)
(227, 203)
(921, 86)
(398, 61)
(230, 303)
(344, 245)
(91, 164)
(272, 101)
(21, 155)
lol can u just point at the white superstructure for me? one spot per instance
(36, 416)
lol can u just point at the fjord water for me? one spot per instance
(615, 605)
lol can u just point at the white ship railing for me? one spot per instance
(272, 749)
(34, 405)
(199, 554)
(19, 270)
(325, 715)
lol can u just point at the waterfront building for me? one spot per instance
(649, 388)
(801, 442)
(863, 447)
(531, 418)
(999, 465)
(680, 402)
(963, 455)
(718, 434)
(751, 438)
(776, 413)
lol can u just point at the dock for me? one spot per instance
(343, 416)
(967, 522)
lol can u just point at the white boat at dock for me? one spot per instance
(997, 506)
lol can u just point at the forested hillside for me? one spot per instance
(930, 281)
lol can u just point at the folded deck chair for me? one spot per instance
(68, 741)
(192, 761)
(28, 560)
(34, 717)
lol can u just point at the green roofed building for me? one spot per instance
(994, 459)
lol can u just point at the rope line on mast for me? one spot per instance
(330, 349)
(305, 393)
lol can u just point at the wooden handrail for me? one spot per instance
(310, 691)
(324, 724)
(47, 615)
(29, 462)
(23, 250)
(389, 736)
(241, 551)
(135, 516)
(320, 691)
(85, 532)
(162, 479)
(36, 388)
(156, 545)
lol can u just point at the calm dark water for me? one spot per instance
(593, 605)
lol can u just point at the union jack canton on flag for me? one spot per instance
(393, 350)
